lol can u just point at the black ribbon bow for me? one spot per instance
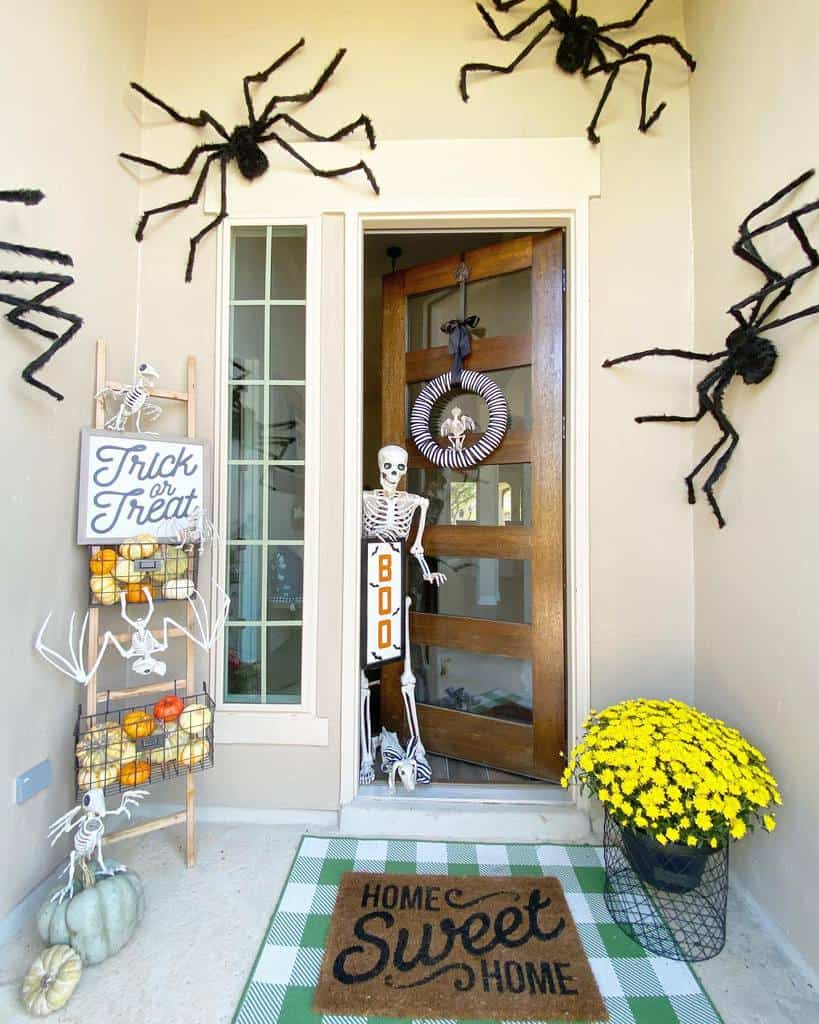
(460, 344)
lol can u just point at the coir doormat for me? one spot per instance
(636, 987)
(474, 947)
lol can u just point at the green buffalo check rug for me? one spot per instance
(593, 962)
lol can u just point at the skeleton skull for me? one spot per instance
(392, 465)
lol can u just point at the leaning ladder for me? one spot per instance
(93, 697)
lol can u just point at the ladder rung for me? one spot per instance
(137, 691)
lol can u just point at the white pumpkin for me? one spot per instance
(174, 563)
(178, 590)
(169, 751)
(51, 980)
(195, 719)
(193, 753)
(126, 572)
(105, 589)
(97, 776)
(144, 545)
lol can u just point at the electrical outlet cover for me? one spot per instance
(33, 781)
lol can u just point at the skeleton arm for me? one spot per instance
(65, 824)
(130, 798)
(417, 549)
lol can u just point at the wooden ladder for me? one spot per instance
(93, 696)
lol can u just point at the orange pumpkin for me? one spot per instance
(135, 773)
(168, 709)
(103, 562)
(135, 593)
(137, 724)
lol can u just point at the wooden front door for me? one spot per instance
(488, 646)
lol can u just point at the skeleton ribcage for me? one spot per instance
(134, 398)
(388, 518)
(86, 836)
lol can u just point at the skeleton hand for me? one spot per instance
(130, 798)
(66, 893)
(435, 578)
(366, 774)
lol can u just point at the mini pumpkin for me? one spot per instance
(195, 719)
(174, 563)
(135, 593)
(97, 776)
(135, 773)
(105, 589)
(142, 546)
(178, 590)
(193, 753)
(103, 562)
(168, 708)
(126, 572)
(138, 724)
(51, 980)
(174, 739)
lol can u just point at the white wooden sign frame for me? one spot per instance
(137, 483)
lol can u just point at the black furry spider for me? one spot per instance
(244, 143)
(55, 283)
(582, 49)
(746, 354)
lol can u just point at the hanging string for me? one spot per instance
(138, 305)
(460, 342)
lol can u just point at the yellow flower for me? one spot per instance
(703, 821)
(692, 840)
(587, 762)
(661, 839)
(769, 823)
(731, 807)
(738, 829)
(714, 842)
(673, 834)
(603, 795)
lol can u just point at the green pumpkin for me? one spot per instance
(97, 921)
(51, 980)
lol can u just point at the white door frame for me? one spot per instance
(572, 216)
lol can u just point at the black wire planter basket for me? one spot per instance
(671, 899)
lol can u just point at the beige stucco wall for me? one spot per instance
(63, 74)
(757, 640)
(401, 68)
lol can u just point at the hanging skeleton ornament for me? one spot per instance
(133, 401)
(747, 354)
(143, 646)
(197, 529)
(456, 426)
(88, 819)
(52, 284)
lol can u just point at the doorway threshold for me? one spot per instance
(490, 813)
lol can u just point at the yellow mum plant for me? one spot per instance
(671, 771)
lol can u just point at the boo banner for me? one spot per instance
(132, 483)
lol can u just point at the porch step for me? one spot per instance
(466, 818)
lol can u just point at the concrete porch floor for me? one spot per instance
(188, 962)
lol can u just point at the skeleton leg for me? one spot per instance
(67, 890)
(419, 754)
(366, 774)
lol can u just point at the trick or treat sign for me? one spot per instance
(132, 483)
(449, 948)
(382, 604)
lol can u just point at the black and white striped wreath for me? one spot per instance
(490, 439)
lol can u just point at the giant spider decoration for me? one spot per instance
(746, 354)
(583, 49)
(54, 283)
(244, 143)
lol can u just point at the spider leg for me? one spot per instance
(39, 254)
(360, 122)
(679, 353)
(663, 40)
(333, 173)
(629, 22)
(729, 432)
(203, 119)
(810, 311)
(516, 29)
(57, 342)
(262, 76)
(16, 315)
(613, 68)
(197, 238)
(180, 203)
(505, 5)
(26, 196)
(305, 97)
(184, 167)
(499, 68)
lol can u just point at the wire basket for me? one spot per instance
(143, 744)
(670, 901)
(166, 571)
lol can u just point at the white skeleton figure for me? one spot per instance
(144, 645)
(456, 426)
(133, 400)
(87, 818)
(196, 529)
